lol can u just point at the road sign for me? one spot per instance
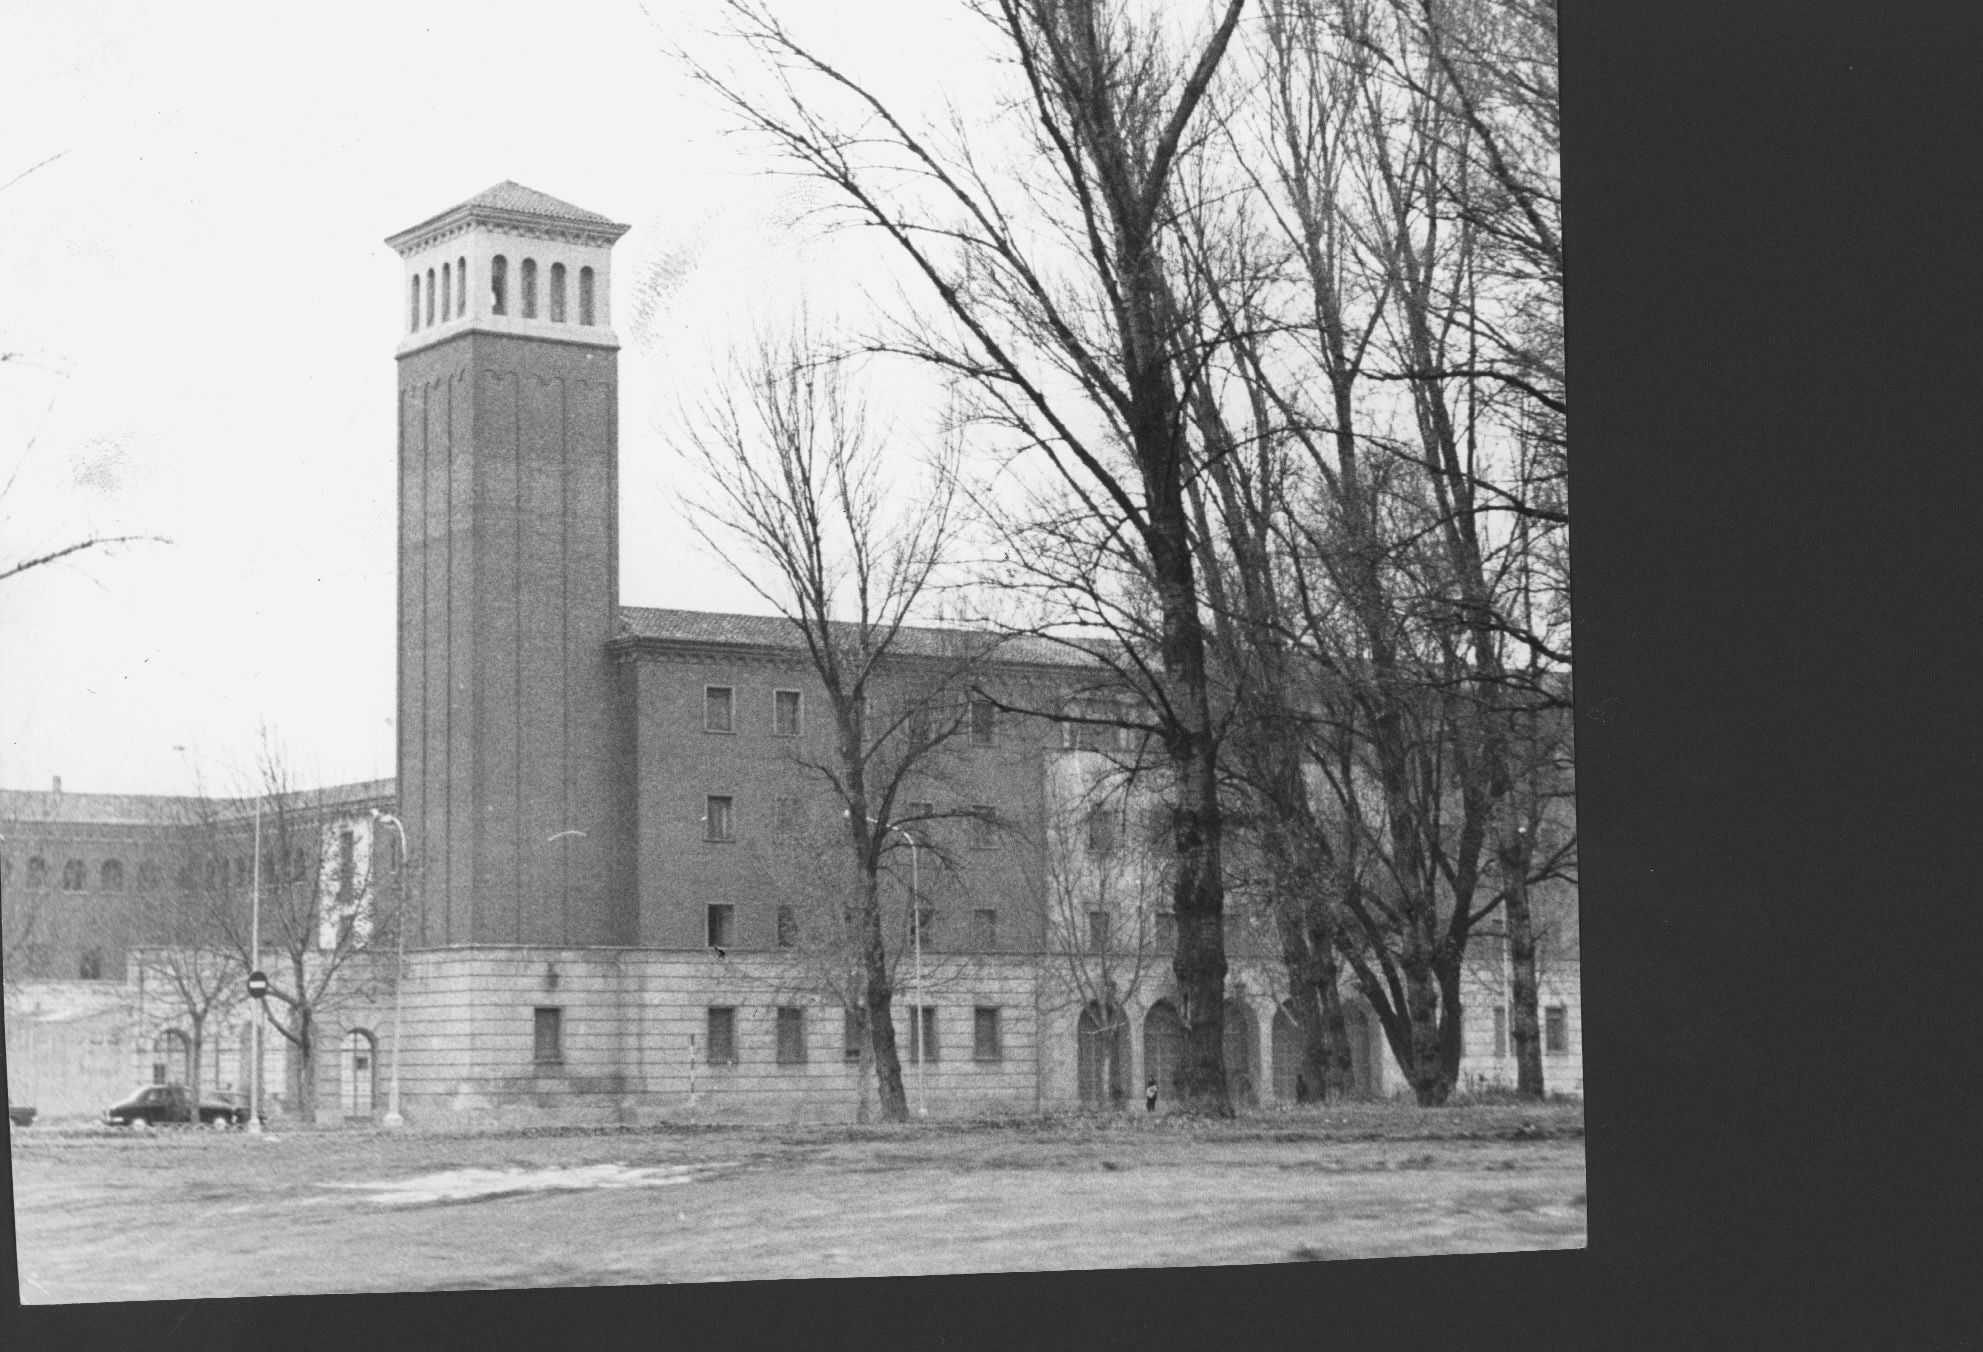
(258, 984)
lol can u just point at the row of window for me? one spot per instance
(789, 820)
(721, 927)
(1555, 1029)
(111, 873)
(719, 1045)
(76, 875)
(719, 714)
(444, 295)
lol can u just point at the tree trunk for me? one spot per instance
(881, 1023)
(303, 1065)
(863, 1105)
(1338, 1062)
(1446, 968)
(198, 1022)
(1524, 1025)
(1198, 894)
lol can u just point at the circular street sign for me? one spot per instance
(258, 984)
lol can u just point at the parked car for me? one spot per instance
(20, 1114)
(156, 1104)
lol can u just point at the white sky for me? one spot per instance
(205, 314)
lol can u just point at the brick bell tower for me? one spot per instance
(512, 784)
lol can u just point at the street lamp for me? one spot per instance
(392, 1117)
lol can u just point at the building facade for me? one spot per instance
(620, 849)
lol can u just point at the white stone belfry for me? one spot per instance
(508, 260)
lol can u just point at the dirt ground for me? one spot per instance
(101, 1215)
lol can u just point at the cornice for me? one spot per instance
(520, 224)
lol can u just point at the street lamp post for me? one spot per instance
(392, 1117)
(255, 965)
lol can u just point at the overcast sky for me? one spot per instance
(202, 314)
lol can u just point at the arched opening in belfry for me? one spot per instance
(499, 278)
(529, 283)
(413, 298)
(430, 296)
(557, 293)
(447, 291)
(461, 288)
(585, 312)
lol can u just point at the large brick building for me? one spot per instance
(616, 827)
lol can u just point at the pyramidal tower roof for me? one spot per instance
(510, 195)
(513, 202)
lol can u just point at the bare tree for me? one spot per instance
(181, 958)
(1053, 308)
(807, 505)
(320, 911)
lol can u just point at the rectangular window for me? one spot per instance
(718, 708)
(1556, 1029)
(984, 722)
(923, 924)
(1501, 1030)
(984, 1035)
(722, 1035)
(716, 819)
(984, 827)
(550, 1035)
(722, 925)
(1098, 931)
(984, 930)
(1159, 825)
(1101, 832)
(790, 818)
(785, 713)
(788, 927)
(922, 1033)
(854, 1034)
(791, 1037)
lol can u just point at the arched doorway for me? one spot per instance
(172, 1058)
(1242, 1043)
(358, 1065)
(1102, 1056)
(1163, 1047)
(1289, 1084)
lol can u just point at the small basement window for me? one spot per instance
(985, 1044)
(549, 1045)
(791, 1037)
(722, 1035)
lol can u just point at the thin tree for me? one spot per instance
(807, 505)
(181, 956)
(321, 913)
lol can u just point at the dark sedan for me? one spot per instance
(156, 1104)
